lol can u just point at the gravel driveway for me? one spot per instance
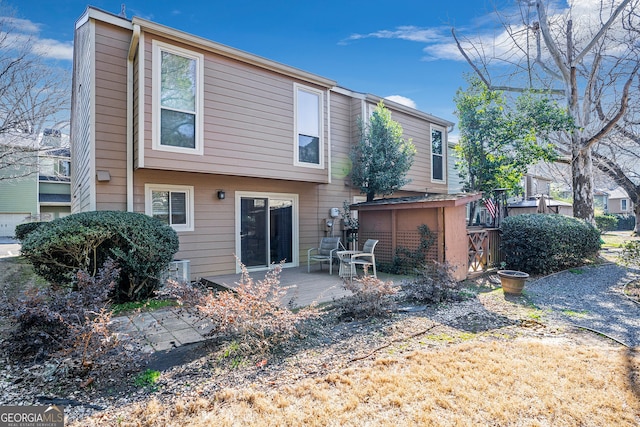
(591, 297)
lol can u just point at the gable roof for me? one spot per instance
(618, 193)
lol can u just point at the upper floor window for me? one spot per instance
(308, 127)
(171, 204)
(623, 205)
(437, 155)
(52, 167)
(178, 93)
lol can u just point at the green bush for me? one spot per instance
(607, 222)
(625, 222)
(140, 245)
(22, 230)
(542, 243)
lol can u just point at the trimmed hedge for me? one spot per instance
(606, 222)
(543, 243)
(141, 246)
(22, 230)
(625, 222)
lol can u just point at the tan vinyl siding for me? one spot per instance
(248, 123)
(82, 149)
(419, 131)
(111, 48)
(356, 114)
(211, 246)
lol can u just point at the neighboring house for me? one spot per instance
(532, 205)
(54, 183)
(619, 202)
(453, 177)
(40, 188)
(601, 200)
(239, 154)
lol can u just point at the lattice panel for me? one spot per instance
(411, 241)
(477, 254)
(408, 239)
(383, 248)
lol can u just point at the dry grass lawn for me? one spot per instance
(505, 383)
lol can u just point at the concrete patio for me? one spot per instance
(172, 327)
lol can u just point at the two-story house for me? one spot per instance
(240, 154)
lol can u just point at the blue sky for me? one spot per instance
(398, 48)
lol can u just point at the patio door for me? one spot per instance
(267, 229)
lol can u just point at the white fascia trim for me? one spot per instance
(347, 92)
(233, 53)
(100, 15)
(411, 111)
(158, 46)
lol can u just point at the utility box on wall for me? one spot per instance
(178, 270)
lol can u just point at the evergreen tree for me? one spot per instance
(382, 157)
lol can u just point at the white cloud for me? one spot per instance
(403, 100)
(487, 36)
(407, 32)
(23, 25)
(53, 49)
(21, 33)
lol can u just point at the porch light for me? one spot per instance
(221, 194)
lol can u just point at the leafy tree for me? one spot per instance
(586, 55)
(382, 157)
(498, 140)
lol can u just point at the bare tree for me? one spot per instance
(33, 95)
(618, 156)
(585, 54)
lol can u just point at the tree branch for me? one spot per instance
(624, 102)
(466, 57)
(502, 88)
(549, 42)
(597, 37)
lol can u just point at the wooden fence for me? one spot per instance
(484, 249)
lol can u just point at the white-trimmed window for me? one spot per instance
(177, 99)
(437, 155)
(171, 204)
(309, 119)
(623, 205)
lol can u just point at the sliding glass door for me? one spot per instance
(268, 227)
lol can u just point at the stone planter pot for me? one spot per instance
(512, 281)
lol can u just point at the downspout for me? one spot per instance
(133, 46)
(329, 135)
(130, 63)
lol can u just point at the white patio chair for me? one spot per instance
(349, 260)
(326, 252)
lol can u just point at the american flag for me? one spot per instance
(491, 207)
